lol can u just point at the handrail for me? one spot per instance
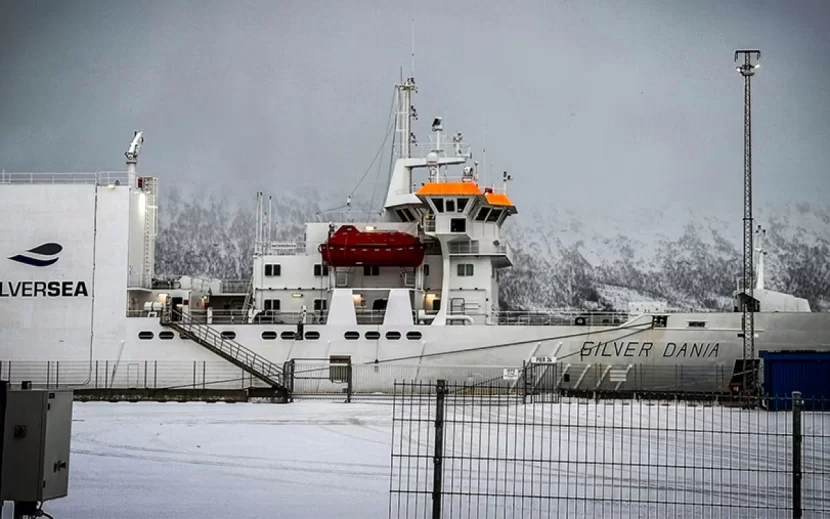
(266, 368)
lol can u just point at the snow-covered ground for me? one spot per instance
(330, 459)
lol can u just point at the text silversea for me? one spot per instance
(43, 289)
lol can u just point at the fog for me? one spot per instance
(589, 103)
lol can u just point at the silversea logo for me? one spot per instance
(42, 256)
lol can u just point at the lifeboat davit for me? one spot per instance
(349, 247)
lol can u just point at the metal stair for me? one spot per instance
(230, 350)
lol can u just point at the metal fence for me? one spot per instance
(462, 451)
(328, 377)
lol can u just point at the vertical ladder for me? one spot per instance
(149, 189)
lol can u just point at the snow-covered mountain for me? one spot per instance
(563, 257)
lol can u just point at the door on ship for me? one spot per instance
(177, 308)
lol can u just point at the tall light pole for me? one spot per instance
(747, 69)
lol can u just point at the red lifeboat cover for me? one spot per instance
(349, 247)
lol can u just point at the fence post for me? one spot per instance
(437, 460)
(349, 386)
(798, 407)
(524, 382)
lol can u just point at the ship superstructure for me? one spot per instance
(416, 286)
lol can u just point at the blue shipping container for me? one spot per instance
(807, 372)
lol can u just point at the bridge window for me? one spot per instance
(145, 336)
(269, 336)
(371, 270)
(439, 205)
(393, 336)
(271, 304)
(494, 215)
(229, 335)
(450, 205)
(458, 225)
(462, 203)
(465, 269)
(482, 214)
(273, 269)
(372, 336)
(321, 270)
(413, 336)
(166, 335)
(312, 336)
(287, 336)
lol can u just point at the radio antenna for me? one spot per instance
(412, 29)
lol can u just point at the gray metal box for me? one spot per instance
(36, 444)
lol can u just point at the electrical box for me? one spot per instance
(36, 440)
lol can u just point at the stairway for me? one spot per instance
(230, 350)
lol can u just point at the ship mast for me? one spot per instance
(404, 115)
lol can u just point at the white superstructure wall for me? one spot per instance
(63, 268)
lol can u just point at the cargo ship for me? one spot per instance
(411, 292)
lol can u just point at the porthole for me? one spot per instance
(413, 336)
(312, 336)
(393, 336)
(351, 336)
(372, 336)
(145, 336)
(287, 336)
(166, 335)
(229, 335)
(269, 336)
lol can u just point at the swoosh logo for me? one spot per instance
(41, 256)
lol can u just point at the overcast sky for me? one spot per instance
(595, 103)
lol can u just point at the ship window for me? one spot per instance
(272, 304)
(697, 324)
(494, 215)
(269, 336)
(287, 336)
(393, 336)
(166, 336)
(371, 270)
(426, 269)
(312, 336)
(413, 336)
(145, 336)
(351, 336)
(439, 205)
(372, 336)
(458, 225)
(450, 205)
(321, 270)
(229, 335)
(482, 214)
(465, 269)
(273, 269)
(320, 305)
(461, 204)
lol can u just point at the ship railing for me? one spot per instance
(101, 178)
(429, 225)
(348, 216)
(282, 248)
(558, 318)
(264, 317)
(235, 286)
(476, 247)
(448, 147)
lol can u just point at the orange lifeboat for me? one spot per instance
(349, 247)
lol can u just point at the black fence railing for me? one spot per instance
(462, 451)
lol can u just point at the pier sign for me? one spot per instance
(543, 360)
